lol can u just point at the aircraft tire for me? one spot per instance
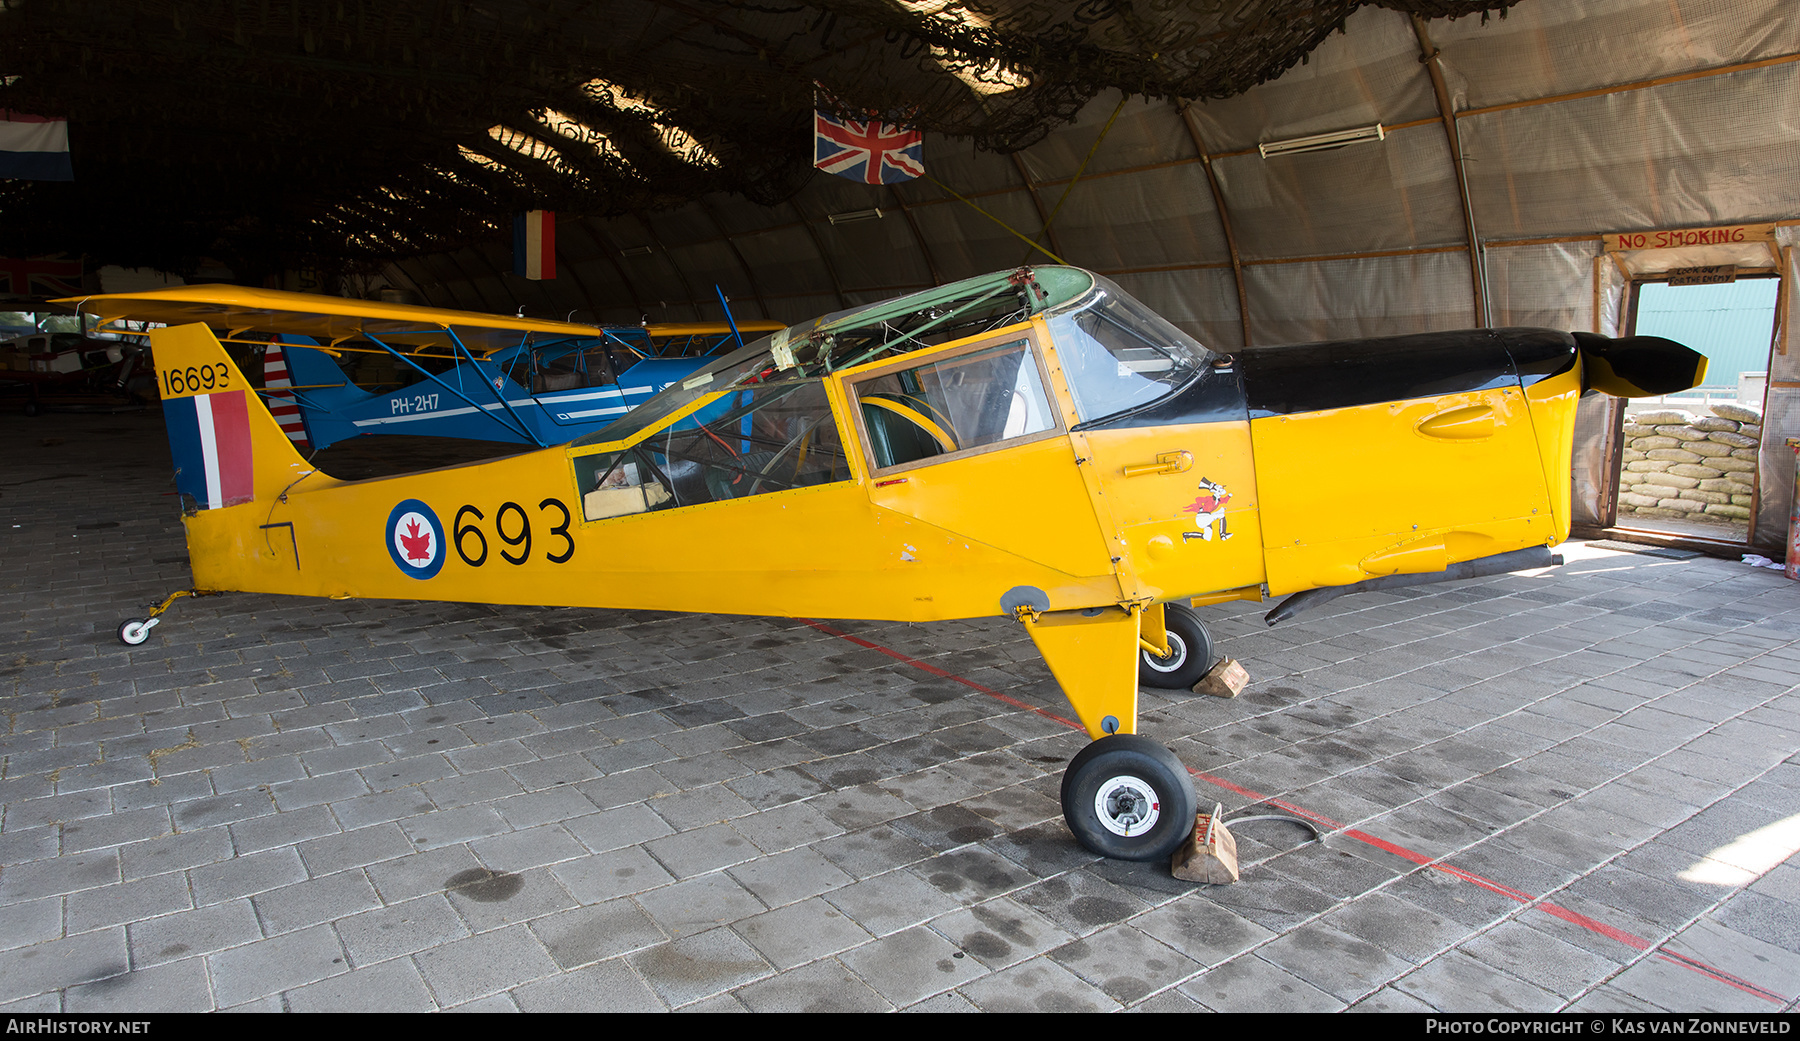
(1191, 648)
(134, 631)
(1129, 798)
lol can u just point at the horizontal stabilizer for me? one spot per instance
(1638, 366)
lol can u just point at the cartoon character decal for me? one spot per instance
(1209, 513)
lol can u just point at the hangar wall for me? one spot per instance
(1576, 118)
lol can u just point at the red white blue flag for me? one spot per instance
(534, 244)
(866, 150)
(34, 148)
(209, 436)
(39, 276)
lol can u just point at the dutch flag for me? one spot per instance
(209, 435)
(34, 148)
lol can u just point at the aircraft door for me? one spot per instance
(1170, 472)
(969, 439)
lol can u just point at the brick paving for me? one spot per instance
(1571, 791)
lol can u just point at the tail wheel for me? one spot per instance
(134, 631)
(1129, 798)
(1190, 652)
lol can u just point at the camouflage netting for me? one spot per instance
(274, 133)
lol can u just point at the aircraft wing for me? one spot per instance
(325, 318)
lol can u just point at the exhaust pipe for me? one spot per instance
(1498, 564)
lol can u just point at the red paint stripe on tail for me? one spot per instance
(231, 431)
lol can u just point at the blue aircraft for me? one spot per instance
(463, 375)
(538, 393)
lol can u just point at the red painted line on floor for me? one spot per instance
(935, 671)
(1628, 939)
(1573, 917)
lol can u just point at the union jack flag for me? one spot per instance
(867, 151)
(35, 276)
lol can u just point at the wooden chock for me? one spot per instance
(1227, 679)
(1209, 855)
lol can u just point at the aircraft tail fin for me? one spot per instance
(227, 447)
(323, 389)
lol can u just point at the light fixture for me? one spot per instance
(873, 213)
(1322, 142)
(636, 251)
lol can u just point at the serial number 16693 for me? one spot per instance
(195, 379)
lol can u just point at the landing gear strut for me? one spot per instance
(1190, 652)
(1123, 795)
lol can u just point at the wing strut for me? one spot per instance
(518, 426)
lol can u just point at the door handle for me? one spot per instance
(1166, 463)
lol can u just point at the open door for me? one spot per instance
(1688, 462)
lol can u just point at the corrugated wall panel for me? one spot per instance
(1368, 74)
(1709, 151)
(1379, 195)
(1544, 49)
(1549, 285)
(1377, 296)
(1162, 216)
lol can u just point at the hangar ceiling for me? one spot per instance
(1571, 119)
(272, 134)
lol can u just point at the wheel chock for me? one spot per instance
(1209, 855)
(1227, 679)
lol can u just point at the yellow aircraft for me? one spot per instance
(1035, 444)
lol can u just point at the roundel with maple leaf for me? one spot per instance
(415, 539)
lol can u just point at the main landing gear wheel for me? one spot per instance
(1190, 652)
(134, 631)
(1129, 798)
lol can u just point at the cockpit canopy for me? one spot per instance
(759, 420)
(1117, 353)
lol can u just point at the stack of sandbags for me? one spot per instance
(1680, 465)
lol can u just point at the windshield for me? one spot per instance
(1118, 354)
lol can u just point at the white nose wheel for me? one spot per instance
(134, 631)
(1127, 797)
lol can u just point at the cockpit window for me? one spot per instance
(1119, 354)
(564, 366)
(761, 438)
(953, 404)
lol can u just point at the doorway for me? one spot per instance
(1688, 461)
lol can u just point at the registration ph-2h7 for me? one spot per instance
(416, 403)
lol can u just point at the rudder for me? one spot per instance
(325, 391)
(228, 450)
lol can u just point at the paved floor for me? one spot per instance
(1576, 790)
